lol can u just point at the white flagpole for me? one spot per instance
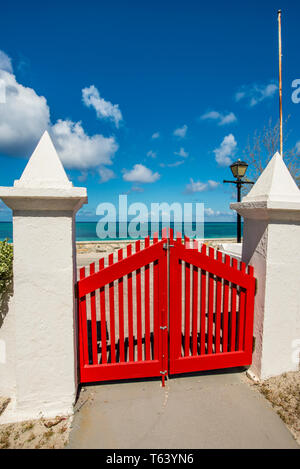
(280, 82)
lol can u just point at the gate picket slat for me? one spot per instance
(121, 312)
(112, 315)
(130, 311)
(103, 318)
(139, 307)
(83, 316)
(156, 308)
(210, 307)
(225, 310)
(93, 321)
(147, 306)
(178, 273)
(203, 306)
(233, 311)
(187, 310)
(241, 321)
(195, 306)
(218, 308)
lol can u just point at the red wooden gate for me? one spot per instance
(211, 309)
(127, 344)
(166, 308)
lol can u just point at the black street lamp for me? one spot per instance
(238, 170)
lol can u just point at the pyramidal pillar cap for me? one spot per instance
(44, 168)
(44, 183)
(275, 193)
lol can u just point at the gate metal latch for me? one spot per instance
(166, 246)
(163, 372)
(163, 327)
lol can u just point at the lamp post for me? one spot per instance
(238, 170)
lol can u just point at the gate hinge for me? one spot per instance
(163, 372)
(163, 327)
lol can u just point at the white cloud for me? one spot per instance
(5, 62)
(106, 174)
(83, 176)
(137, 189)
(255, 94)
(212, 184)
(171, 165)
(77, 150)
(140, 173)
(225, 150)
(221, 119)
(218, 213)
(197, 186)
(210, 212)
(151, 154)
(181, 131)
(182, 153)
(155, 135)
(25, 116)
(104, 109)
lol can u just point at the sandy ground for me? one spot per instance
(103, 247)
(34, 434)
(284, 394)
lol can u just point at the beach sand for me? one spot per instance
(91, 251)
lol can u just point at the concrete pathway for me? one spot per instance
(210, 410)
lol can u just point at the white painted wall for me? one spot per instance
(232, 249)
(7, 353)
(44, 295)
(271, 238)
(282, 300)
(40, 330)
(254, 253)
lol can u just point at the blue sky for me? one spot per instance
(152, 99)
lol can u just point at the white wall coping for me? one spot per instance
(268, 210)
(58, 199)
(42, 192)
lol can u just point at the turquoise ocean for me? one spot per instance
(86, 231)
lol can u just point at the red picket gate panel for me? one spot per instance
(122, 331)
(165, 309)
(211, 309)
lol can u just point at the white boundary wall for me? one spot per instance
(271, 239)
(39, 331)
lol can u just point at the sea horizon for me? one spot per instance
(86, 230)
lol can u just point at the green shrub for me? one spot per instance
(6, 267)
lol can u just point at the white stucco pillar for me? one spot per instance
(44, 204)
(271, 243)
